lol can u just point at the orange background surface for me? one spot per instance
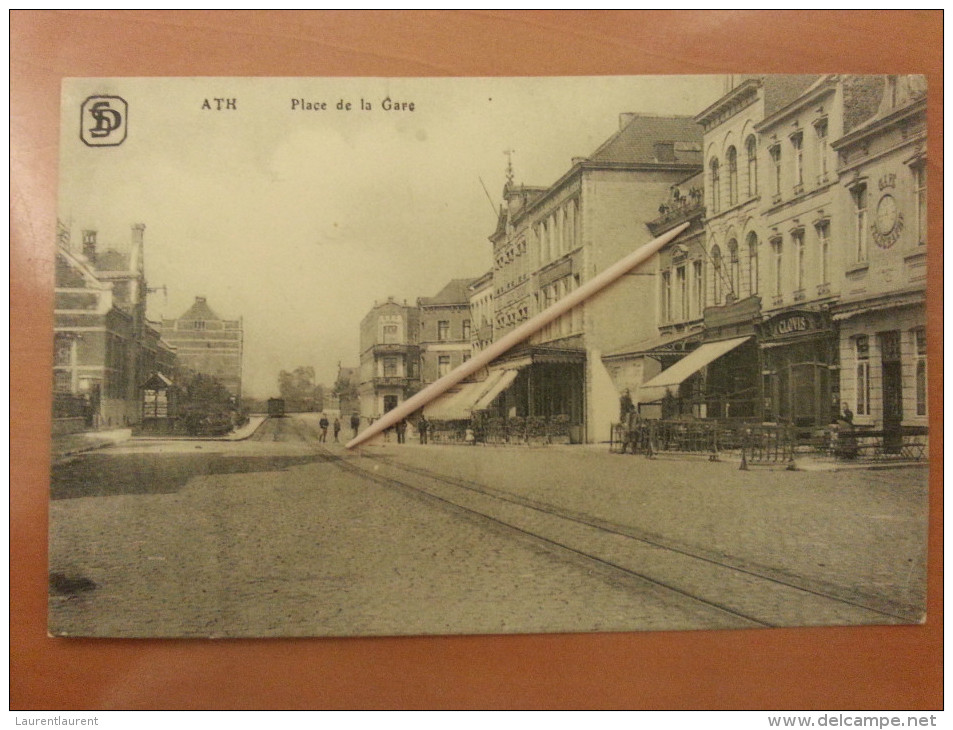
(871, 668)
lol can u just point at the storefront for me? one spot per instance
(799, 368)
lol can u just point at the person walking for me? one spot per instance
(401, 429)
(323, 423)
(337, 429)
(355, 423)
(423, 426)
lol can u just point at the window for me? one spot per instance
(62, 381)
(752, 148)
(820, 135)
(63, 352)
(389, 332)
(823, 251)
(920, 341)
(920, 181)
(715, 186)
(797, 144)
(716, 275)
(776, 163)
(699, 283)
(778, 245)
(665, 307)
(753, 263)
(199, 325)
(734, 267)
(732, 176)
(799, 259)
(466, 329)
(443, 330)
(390, 367)
(862, 345)
(681, 280)
(443, 365)
(859, 194)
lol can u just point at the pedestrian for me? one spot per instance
(337, 429)
(355, 423)
(423, 426)
(323, 423)
(401, 429)
(848, 414)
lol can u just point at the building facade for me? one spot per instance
(390, 357)
(812, 301)
(104, 347)
(445, 330)
(206, 343)
(881, 313)
(550, 240)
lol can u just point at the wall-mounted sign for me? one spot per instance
(793, 324)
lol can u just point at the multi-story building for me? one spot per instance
(390, 357)
(550, 240)
(445, 330)
(804, 250)
(104, 348)
(794, 321)
(881, 199)
(206, 343)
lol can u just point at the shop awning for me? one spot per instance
(670, 379)
(453, 406)
(502, 383)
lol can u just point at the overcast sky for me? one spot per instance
(298, 220)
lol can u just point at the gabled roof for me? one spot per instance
(199, 310)
(453, 293)
(635, 143)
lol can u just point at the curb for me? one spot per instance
(201, 438)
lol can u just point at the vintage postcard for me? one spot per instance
(251, 271)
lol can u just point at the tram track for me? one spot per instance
(754, 596)
(739, 591)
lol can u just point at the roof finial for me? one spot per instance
(509, 166)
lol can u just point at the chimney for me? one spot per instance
(89, 246)
(136, 253)
(625, 118)
(200, 300)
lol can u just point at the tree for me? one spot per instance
(299, 389)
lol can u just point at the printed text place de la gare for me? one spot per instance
(386, 104)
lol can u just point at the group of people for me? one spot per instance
(400, 428)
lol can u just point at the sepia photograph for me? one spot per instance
(252, 272)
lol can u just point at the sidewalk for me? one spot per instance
(77, 443)
(240, 434)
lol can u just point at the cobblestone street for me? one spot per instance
(273, 537)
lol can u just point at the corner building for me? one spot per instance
(390, 357)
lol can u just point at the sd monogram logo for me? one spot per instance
(103, 121)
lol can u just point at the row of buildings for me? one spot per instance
(798, 291)
(112, 366)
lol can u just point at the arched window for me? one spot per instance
(751, 145)
(753, 263)
(732, 176)
(715, 185)
(734, 267)
(717, 273)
